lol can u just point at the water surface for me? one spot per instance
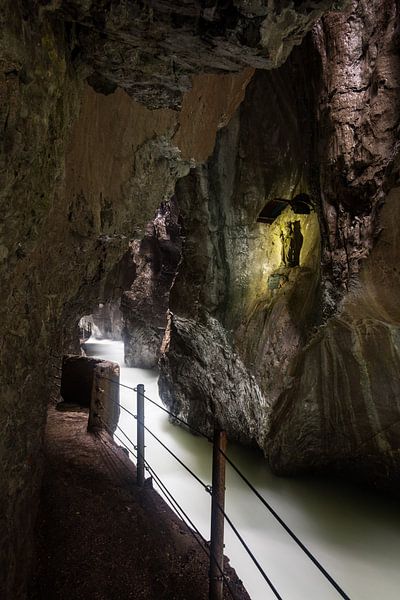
(354, 533)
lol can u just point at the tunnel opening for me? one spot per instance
(105, 322)
(138, 317)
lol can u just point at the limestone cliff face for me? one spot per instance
(105, 322)
(204, 380)
(38, 95)
(320, 334)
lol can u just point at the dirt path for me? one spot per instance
(100, 537)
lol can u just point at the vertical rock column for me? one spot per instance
(104, 404)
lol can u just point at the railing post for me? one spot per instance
(140, 435)
(216, 589)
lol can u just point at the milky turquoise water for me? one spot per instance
(354, 533)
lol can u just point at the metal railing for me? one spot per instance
(214, 549)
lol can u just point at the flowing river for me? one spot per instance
(354, 533)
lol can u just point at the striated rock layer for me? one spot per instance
(81, 173)
(213, 383)
(345, 386)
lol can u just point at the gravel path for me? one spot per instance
(100, 537)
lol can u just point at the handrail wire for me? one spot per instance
(188, 469)
(267, 505)
(128, 387)
(205, 486)
(182, 512)
(119, 439)
(250, 553)
(124, 434)
(123, 408)
(250, 485)
(208, 489)
(171, 414)
(117, 401)
(169, 496)
(287, 528)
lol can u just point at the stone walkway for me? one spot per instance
(99, 536)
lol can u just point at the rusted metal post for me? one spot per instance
(140, 434)
(216, 589)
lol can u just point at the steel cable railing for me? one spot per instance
(170, 498)
(206, 488)
(183, 515)
(250, 486)
(188, 469)
(287, 528)
(209, 490)
(179, 419)
(168, 412)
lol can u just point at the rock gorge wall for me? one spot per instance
(312, 349)
(345, 383)
(74, 190)
(254, 310)
(83, 172)
(181, 39)
(145, 305)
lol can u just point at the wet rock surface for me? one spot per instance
(81, 173)
(346, 378)
(205, 382)
(105, 322)
(238, 274)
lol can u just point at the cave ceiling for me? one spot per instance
(152, 49)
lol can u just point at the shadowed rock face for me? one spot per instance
(145, 305)
(212, 377)
(151, 49)
(238, 274)
(342, 408)
(321, 337)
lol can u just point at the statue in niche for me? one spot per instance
(292, 241)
